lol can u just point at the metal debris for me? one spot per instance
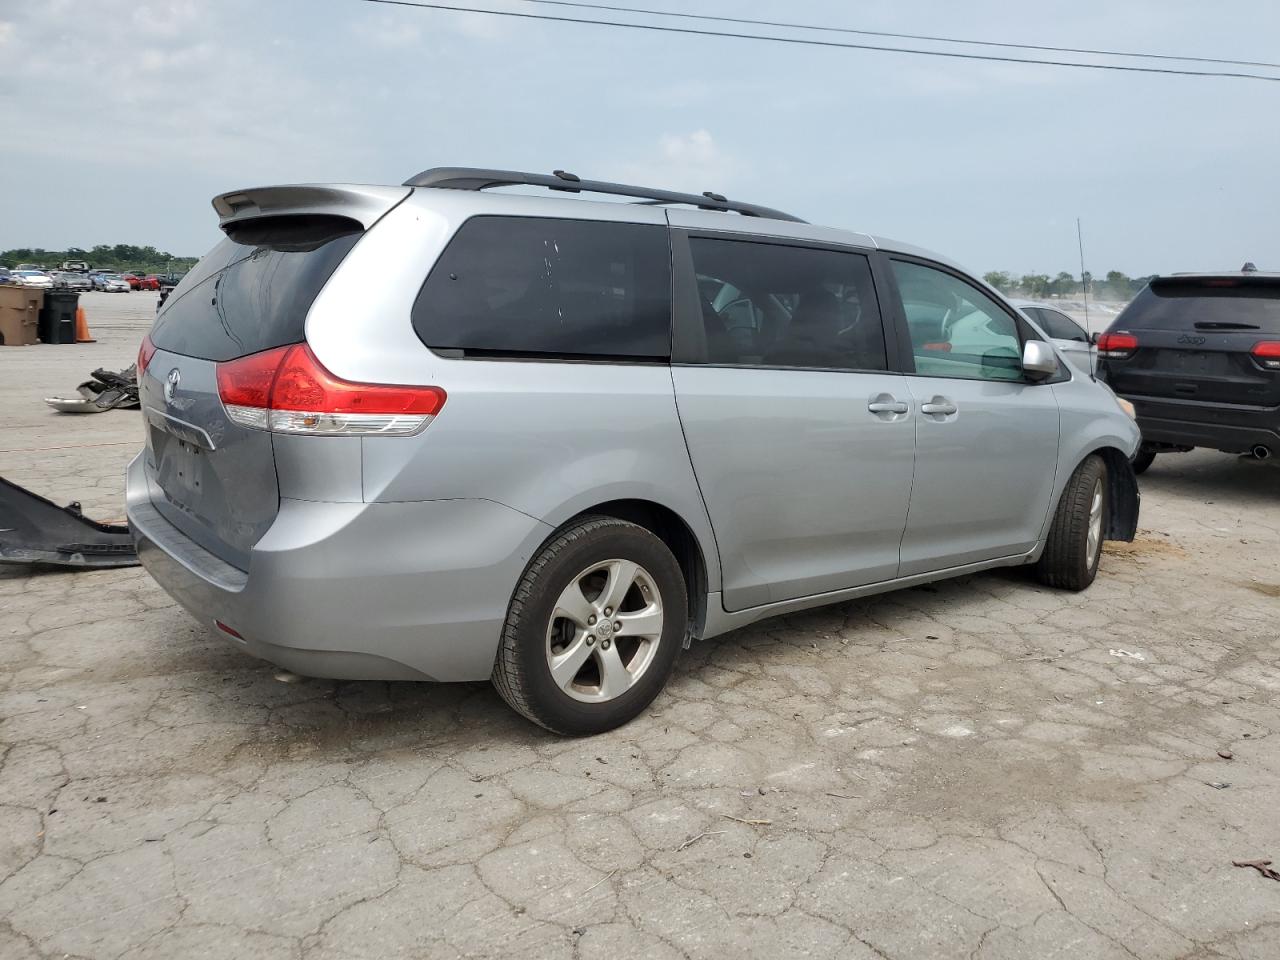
(106, 390)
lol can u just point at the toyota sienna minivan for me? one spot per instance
(442, 431)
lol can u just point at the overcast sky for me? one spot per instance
(122, 118)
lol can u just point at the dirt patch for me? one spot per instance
(1145, 544)
(1266, 589)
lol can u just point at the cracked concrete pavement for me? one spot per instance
(959, 770)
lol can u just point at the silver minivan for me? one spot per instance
(443, 431)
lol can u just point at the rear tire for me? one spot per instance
(566, 665)
(1074, 547)
(1143, 459)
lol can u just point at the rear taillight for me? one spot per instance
(286, 390)
(1117, 345)
(146, 350)
(1267, 353)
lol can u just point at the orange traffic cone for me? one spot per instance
(82, 327)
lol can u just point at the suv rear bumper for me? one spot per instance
(1231, 428)
(356, 591)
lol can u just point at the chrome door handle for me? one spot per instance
(887, 406)
(938, 407)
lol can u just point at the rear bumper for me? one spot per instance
(359, 591)
(1232, 428)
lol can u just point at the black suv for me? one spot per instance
(1198, 355)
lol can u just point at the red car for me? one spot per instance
(133, 280)
(149, 282)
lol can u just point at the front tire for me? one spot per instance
(594, 628)
(1143, 459)
(1074, 547)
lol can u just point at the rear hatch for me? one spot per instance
(1198, 338)
(212, 478)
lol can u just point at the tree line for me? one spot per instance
(1040, 286)
(122, 258)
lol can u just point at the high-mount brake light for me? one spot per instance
(288, 390)
(1117, 346)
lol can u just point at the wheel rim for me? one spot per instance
(604, 631)
(1095, 522)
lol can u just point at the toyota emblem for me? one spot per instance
(171, 384)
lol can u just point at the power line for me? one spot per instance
(796, 41)
(900, 36)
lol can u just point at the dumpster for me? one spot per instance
(19, 315)
(57, 322)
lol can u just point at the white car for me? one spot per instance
(110, 282)
(1067, 335)
(33, 278)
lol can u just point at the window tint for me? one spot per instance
(956, 329)
(253, 290)
(525, 286)
(780, 306)
(1223, 304)
(1057, 324)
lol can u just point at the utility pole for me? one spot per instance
(1084, 277)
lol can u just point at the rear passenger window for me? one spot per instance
(525, 286)
(1060, 326)
(956, 329)
(781, 306)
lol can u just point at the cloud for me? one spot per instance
(164, 85)
(691, 161)
(390, 30)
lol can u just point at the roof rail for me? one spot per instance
(474, 178)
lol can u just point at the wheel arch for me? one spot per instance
(672, 529)
(1122, 494)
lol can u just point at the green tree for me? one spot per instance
(120, 257)
(1119, 286)
(1035, 285)
(999, 279)
(1064, 284)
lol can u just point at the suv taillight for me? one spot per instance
(146, 350)
(1267, 353)
(1117, 345)
(286, 390)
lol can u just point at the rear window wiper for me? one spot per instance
(1225, 325)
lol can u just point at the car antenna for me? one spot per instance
(1084, 285)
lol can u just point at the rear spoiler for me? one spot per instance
(360, 202)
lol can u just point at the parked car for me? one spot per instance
(75, 266)
(134, 281)
(149, 282)
(1198, 355)
(67, 280)
(571, 437)
(1071, 338)
(6, 276)
(34, 278)
(110, 282)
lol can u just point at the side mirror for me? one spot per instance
(1038, 360)
(1093, 337)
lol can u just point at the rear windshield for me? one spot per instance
(253, 290)
(541, 287)
(1175, 304)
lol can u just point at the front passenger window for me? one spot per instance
(956, 329)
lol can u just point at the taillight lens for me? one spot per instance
(1267, 353)
(1117, 345)
(287, 390)
(146, 350)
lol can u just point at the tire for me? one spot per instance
(1143, 459)
(1070, 560)
(606, 676)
